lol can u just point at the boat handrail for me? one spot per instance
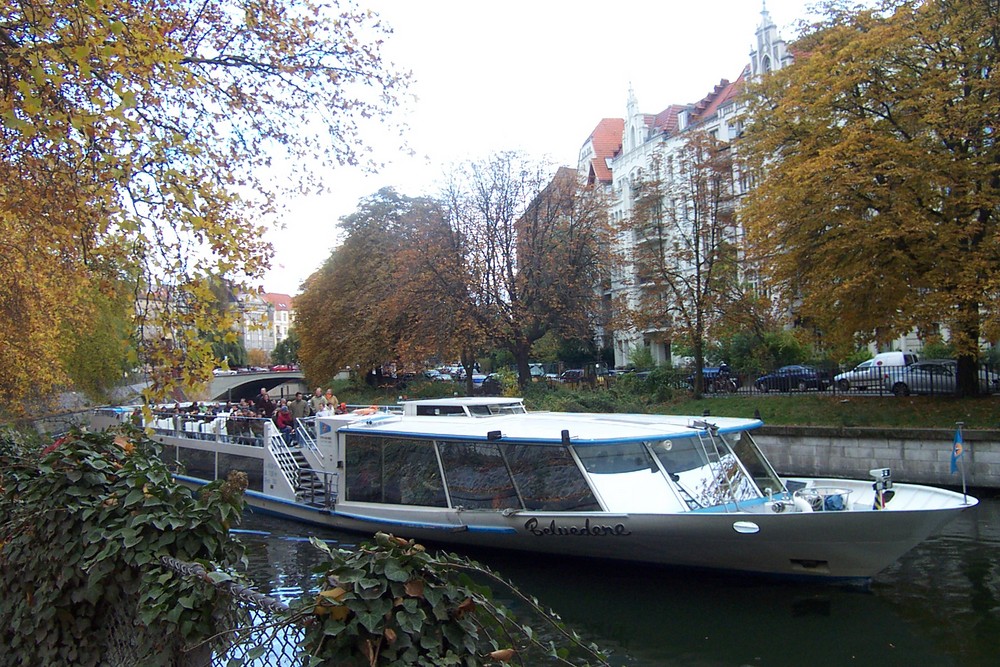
(328, 492)
(304, 432)
(220, 427)
(282, 455)
(388, 409)
(714, 458)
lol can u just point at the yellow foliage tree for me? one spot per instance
(141, 140)
(876, 156)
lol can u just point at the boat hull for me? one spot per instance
(837, 545)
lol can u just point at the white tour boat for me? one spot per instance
(681, 491)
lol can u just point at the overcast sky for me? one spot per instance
(531, 75)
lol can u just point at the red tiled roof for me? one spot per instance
(279, 301)
(666, 120)
(607, 142)
(721, 95)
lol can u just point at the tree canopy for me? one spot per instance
(506, 255)
(356, 307)
(144, 144)
(876, 209)
(685, 243)
(535, 246)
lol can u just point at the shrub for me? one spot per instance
(83, 524)
(392, 603)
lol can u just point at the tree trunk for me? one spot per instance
(522, 351)
(966, 342)
(699, 368)
(469, 364)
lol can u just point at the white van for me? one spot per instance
(871, 374)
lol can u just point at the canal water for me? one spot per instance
(939, 605)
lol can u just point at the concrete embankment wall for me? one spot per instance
(920, 456)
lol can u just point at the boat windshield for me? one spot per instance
(512, 408)
(756, 464)
(707, 472)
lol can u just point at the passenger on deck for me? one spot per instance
(286, 424)
(264, 405)
(317, 402)
(330, 398)
(299, 407)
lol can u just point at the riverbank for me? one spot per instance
(838, 410)
(916, 455)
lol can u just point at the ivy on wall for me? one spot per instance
(83, 523)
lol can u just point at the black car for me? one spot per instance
(572, 375)
(792, 377)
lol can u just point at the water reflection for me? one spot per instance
(939, 605)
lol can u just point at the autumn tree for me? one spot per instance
(355, 308)
(684, 243)
(144, 145)
(877, 204)
(534, 247)
(436, 289)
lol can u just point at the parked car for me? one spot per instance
(791, 377)
(571, 375)
(936, 376)
(872, 374)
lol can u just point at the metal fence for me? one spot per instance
(930, 378)
(266, 637)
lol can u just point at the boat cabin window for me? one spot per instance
(400, 471)
(513, 408)
(616, 458)
(756, 464)
(549, 479)
(628, 479)
(477, 476)
(502, 476)
(440, 410)
(706, 471)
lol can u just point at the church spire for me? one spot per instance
(769, 52)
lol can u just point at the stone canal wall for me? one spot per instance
(921, 456)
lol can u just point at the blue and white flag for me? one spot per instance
(957, 451)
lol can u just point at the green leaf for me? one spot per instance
(396, 572)
(371, 621)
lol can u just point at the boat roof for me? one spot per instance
(548, 427)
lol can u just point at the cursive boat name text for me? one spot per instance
(552, 528)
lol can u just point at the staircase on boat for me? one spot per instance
(312, 487)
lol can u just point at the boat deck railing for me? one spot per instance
(237, 430)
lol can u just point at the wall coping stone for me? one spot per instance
(867, 432)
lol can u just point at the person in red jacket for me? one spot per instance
(286, 424)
